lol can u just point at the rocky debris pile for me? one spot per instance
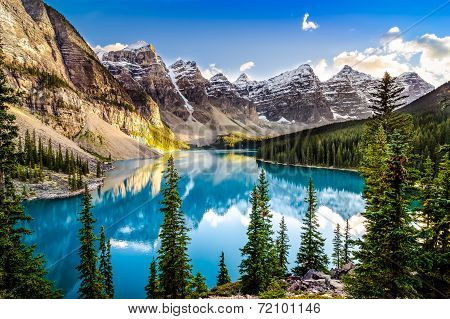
(338, 273)
(315, 282)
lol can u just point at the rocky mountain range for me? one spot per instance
(125, 101)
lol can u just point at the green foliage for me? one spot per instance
(258, 265)
(337, 247)
(198, 287)
(276, 290)
(347, 245)
(311, 253)
(388, 251)
(434, 218)
(174, 267)
(282, 245)
(22, 272)
(162, 138)
(91, 286)
(105, 267)
(223, 277)
(152, 287)
(237, 140)
(228, 290)
(45, 79)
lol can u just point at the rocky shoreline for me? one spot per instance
(54, 186)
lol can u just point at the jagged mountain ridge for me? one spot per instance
(67, 88)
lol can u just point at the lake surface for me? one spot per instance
(215, 187)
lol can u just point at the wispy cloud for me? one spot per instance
(210, 71)
(247, 66)
(308, 25)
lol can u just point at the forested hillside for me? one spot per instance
(336, 145)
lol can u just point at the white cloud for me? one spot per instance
(429, 56)
(322, 70)
(110, 47)
(210, 71)
(247, 66)
(308, 25)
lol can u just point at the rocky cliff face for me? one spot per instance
(293, 95)
(414, 86)
(299, 96)
(63, 80)
(185, 98)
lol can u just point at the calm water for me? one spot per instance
(215, 186)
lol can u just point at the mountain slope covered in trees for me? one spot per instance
(336, 145)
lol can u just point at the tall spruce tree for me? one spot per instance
(311, 253)
(257, 265)
(91, 286)
(388, 251)
(105, 267)
(152, 289)
(282, 243)
(22, 273)
(223, 277)
(174, 267)
(337, 247)
(347, 246)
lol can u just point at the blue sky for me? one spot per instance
(269, 33)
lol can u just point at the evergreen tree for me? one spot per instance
(199, 288)
(388, 252)
(386, 97)
(337, 247)
(283, 246)
(257, 265)
(151, 289)
(91, 281)
(223, 277)
(311, 254)
(22, 273)
(174, 267)
(105, 267)
(346, 250)
(433, 218)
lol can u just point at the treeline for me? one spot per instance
(338, 145)
(33, 157)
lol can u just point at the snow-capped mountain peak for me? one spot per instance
(137, 45)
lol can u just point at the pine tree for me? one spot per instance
(223, 277)
(346, 250)
(337, 247)
(311, 254)
(283, 246)
(174, 267)
(199, 288)
(22, 273)
(105, 267)
(434, 223)
(387, 253)
(259, 253)
(151, 289)
(91, 281)
(387, 96)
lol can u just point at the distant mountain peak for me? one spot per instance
(243, 77)
(219, 77)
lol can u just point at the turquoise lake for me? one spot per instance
(215, 187)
